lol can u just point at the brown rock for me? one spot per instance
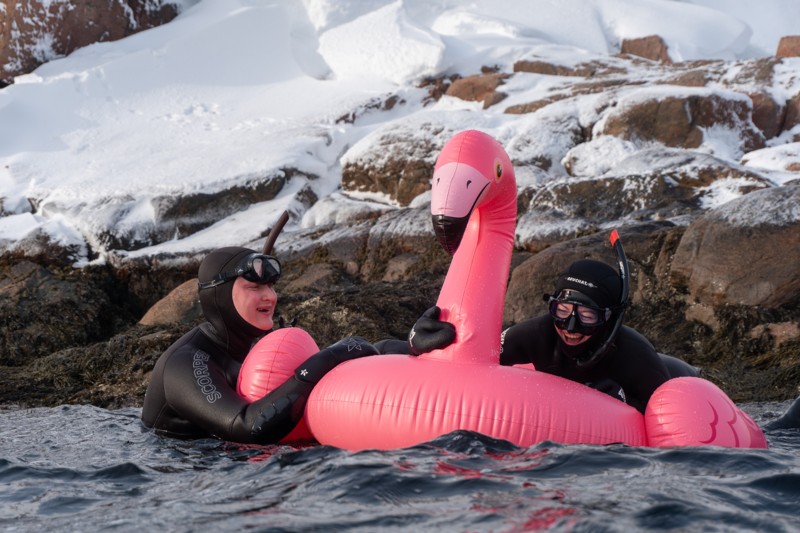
(69, 26)
(538, 274)
(704, 314)
(651, 47)
(402, 179)
(768, 115)
(692, 78)
(532, 107)
(781, 332)
(397, 268)
(180, 306)
(745, 252)
(479, 88)
(317, 276)
(399, 166)
(679, 121)
(789, 46)
(792, 117)
(549, 69)
(750, 73)
(391, 237)
(674, 185)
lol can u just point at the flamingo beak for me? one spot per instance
(449, 231)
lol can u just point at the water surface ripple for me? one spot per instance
(82, 468)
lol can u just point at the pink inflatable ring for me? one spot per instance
(395, 401)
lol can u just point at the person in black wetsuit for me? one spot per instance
(565, 342)
(192, 390)
(577, 339)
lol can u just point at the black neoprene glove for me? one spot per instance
(610, 387)
(429, 333)
(322, 362)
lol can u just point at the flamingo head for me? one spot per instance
(472, 171)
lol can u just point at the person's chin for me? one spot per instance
(573, 339)
(264, 323)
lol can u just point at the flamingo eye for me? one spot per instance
(498, 170)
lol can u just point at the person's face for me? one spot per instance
(255, 303)
(587, 319)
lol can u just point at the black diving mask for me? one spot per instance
(257, 268)
(575, 313)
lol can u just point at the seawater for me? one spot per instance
(83, 468)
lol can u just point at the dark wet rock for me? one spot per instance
(45, 308)
(408, 234)
(753, 353)
(147, 279)
(178, 216)
(112, 373)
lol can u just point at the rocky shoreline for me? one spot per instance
(92, 335)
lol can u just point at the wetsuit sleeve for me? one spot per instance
(197, 390)
(385, 346)
(637, 367)
(271, 418)
(512, 346)
(529, 341)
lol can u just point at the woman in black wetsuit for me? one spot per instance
(192, 391)
(577, 339)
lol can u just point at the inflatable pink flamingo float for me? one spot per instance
(395, 401)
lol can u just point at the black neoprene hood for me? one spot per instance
(595, 279)
(217, 302)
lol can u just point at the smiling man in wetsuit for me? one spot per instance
(581, 338)
(192, 391)
(574, 339)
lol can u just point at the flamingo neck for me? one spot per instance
(474, 291)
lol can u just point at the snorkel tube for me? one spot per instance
(274, 232)
(624, 275)
(267, 250)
